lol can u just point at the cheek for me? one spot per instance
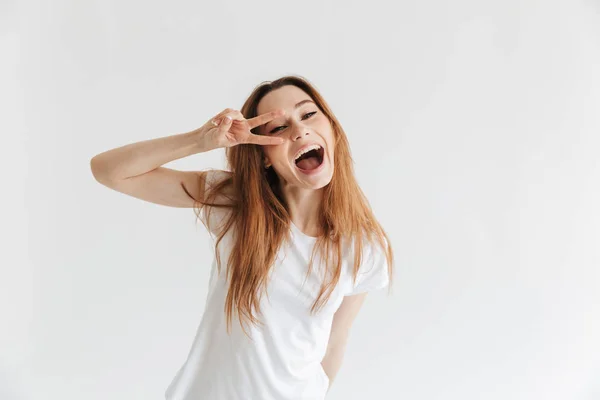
(330, 139)
(276, 155)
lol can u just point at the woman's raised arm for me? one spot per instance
(136, 169)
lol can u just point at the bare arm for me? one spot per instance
(138, 158)
(136, 169)
(340, 329)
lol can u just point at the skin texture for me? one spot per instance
(302, 192)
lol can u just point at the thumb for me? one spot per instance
(225, 122)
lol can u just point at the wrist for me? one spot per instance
(204, 140)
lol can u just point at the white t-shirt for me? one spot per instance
(284, 360)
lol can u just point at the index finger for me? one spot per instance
(264, 140)
(264, 118)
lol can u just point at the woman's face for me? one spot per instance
(303, 126)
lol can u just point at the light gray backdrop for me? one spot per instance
(474, 128)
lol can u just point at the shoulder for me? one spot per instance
(373, 257)
(218, 199)
(212, 180)
(370, 247)
(214, 176)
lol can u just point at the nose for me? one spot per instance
(297, 134)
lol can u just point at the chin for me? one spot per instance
(316, 182)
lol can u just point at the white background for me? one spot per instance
(475, 131)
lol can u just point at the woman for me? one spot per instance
(302, 245)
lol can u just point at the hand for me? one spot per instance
(226, 132)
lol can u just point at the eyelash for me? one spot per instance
(274, 130)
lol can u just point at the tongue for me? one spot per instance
(308, 163)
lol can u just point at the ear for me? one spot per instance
(266, 162)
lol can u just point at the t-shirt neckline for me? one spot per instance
(302, 234)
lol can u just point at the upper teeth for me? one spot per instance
(306, 150)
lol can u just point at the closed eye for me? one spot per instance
(276, 129)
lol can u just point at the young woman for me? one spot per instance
(302, 245)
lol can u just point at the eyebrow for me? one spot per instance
(298, 104)
(303, 102)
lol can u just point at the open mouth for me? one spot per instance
(310, 160)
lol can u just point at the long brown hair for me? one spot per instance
(261, 220)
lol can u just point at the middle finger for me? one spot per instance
(264, 118)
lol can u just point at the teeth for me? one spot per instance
(306, 150)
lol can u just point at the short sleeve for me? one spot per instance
(373, 274)
(214, 217)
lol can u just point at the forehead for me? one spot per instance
(285, 97)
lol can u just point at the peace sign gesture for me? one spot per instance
(229, 128)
